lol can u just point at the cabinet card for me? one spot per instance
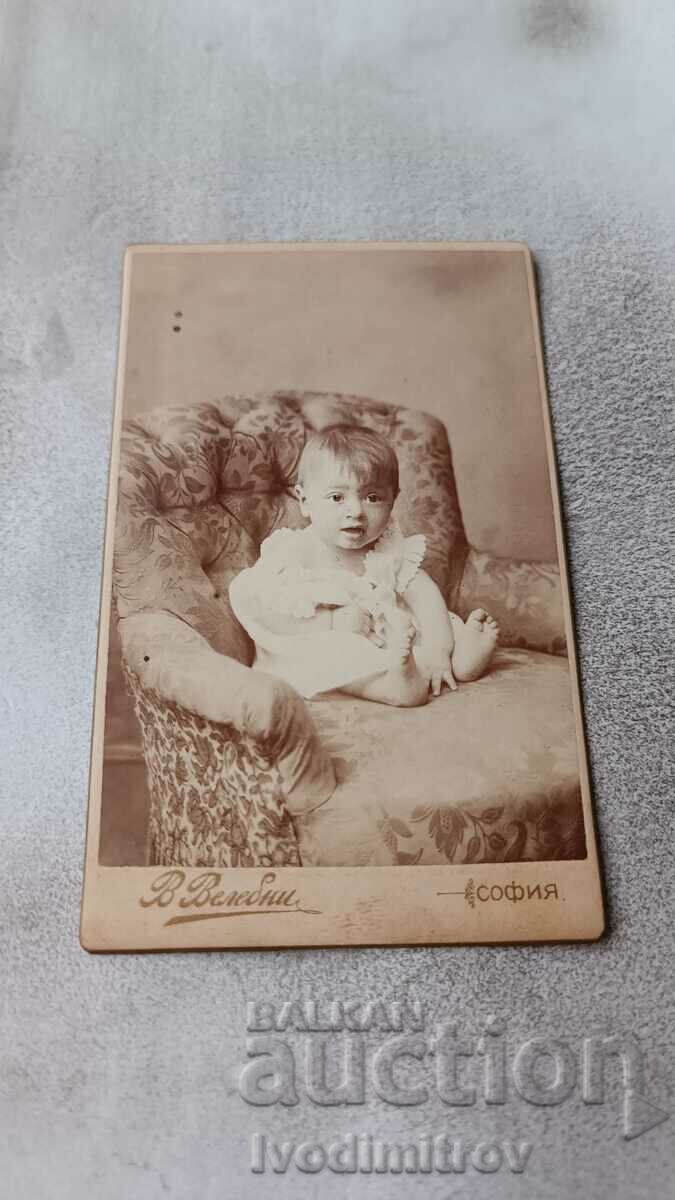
(337, 699)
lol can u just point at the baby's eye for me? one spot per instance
(336, 496)
(373, 497)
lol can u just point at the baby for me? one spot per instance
(344, 604)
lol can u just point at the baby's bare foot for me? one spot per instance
(475, 642)
(399, 633)
(402, 684)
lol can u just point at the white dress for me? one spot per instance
(290, 578)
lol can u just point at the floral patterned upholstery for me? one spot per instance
(215, 794)
(228, 749)
(525, 599)
(494, 777)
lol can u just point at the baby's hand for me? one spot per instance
(436, 669)
(352, 619)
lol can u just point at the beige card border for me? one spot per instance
(153, 908)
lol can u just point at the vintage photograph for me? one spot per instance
(315, 657)
(338, 627)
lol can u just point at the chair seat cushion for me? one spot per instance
(489, 773)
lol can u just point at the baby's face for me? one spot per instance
(344, 512)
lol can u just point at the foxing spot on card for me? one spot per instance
(337, 697)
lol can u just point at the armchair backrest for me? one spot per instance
(202, 485)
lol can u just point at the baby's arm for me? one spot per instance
(427, 605)
(437, 640)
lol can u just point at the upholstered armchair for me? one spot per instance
(241, 770)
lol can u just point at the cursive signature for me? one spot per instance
(206, 891)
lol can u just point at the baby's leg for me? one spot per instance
(475, 641)
(401, 685)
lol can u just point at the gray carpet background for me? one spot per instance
(549, 121)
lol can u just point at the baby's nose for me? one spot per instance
(354, 506)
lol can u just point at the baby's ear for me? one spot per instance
(300, 496)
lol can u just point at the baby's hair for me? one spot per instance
(364, 451)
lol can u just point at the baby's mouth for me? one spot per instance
(353, 529)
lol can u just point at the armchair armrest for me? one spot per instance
(232, 754)
(525, 598)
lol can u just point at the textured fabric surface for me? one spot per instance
(524, 598)
(216, 796)
(204, 122)
(174, 663)
(520, 801)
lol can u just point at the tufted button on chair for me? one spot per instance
(241, 770)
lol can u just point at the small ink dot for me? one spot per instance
(178, 314)
(176, 328)
(146, 658)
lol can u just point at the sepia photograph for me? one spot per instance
(338, 630)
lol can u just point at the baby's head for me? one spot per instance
(347, 485)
